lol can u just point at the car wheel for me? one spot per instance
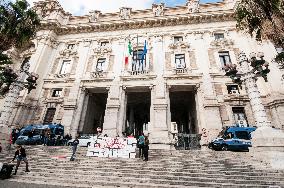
(224, 148)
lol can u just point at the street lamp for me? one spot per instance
(11, 83)
(251, 69)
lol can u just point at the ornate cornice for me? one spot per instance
(185, 19)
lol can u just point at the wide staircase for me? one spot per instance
(51, 165)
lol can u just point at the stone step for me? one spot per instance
(161, 174)
(145, 180)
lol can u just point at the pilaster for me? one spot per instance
(111, 119)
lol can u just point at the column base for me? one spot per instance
(268, 137)
(268, 147)
(161, 146)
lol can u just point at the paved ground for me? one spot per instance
(8, 184)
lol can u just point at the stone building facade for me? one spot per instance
(85, 82)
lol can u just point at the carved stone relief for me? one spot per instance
(125, 13)
(158, 9)
(94, 15)
(192, 6)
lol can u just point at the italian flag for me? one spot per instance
(129, 53)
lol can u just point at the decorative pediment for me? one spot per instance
(125, 13)
(62, 75)
(179, 45)
(67, 53)
(102, 50)
(222, 43)
(158, 9)
(48, 8)
(98, 74)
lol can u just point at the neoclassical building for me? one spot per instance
(173, 75)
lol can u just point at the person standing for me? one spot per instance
(141, 141)
(74, 148)
(146, 149)
(21, 155)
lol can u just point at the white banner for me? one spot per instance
(113, 147)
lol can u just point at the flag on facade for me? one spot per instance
(144, 51)
(129, 53)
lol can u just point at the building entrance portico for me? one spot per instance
(93, 111)
(137, 113)
(183, 111)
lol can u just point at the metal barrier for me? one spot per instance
(188, 141)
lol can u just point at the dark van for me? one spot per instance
(233, 138)
(25, 137)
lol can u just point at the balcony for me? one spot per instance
(137, 75)
(180, 71)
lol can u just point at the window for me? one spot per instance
(70, 46)
(219, 36)
(56, 93)
(178, 39)
(104, 43)
(49, 115)
(224, 58)
(243, 135)
(100, 64)
(139, 61)
(240, 116)
(180, 61)
(233, 89)
(65, 68)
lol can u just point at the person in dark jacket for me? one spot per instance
(21, 155)
(146, 148)
(74, 148)
(0, 148)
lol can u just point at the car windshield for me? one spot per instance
(84, 137)
(243, 135)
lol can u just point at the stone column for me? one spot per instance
(68, 118)
(264, 135)
(258, 110)
(111, 114)
(122, 110)
(84, 112)
(159, 135)
(10, 102)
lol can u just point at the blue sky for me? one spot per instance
(82, 7)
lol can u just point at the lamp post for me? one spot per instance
(251, 69)
(12, 90)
